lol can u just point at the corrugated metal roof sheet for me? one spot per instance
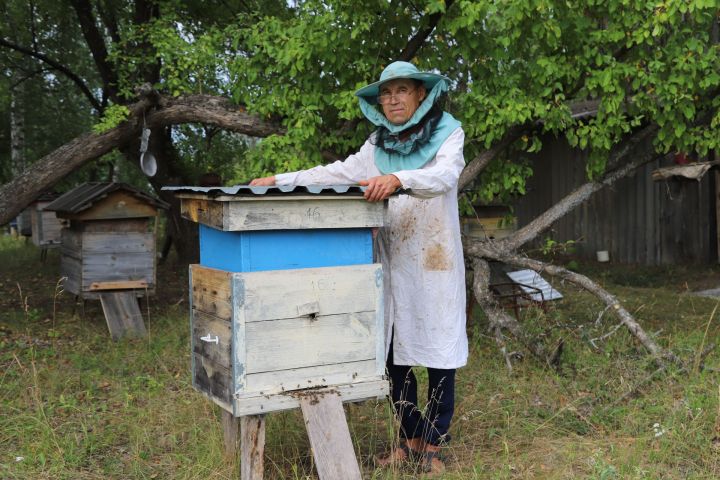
(247, 190)
(84, 196)
(531, 281)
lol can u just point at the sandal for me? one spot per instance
(432, 463)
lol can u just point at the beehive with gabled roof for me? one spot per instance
(109, 241)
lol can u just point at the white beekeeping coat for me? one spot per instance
(421, 253)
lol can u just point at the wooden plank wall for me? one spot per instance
(71, 259)
(118, 256)
(211, 312)
(45, 226)
(51, 228)
(637, 220)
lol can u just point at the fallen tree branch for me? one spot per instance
(499, 319)
(485, 250)
(600, 315)
(607, 335)
(481, 282)
(50, 169)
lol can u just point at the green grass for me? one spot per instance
(74, 405)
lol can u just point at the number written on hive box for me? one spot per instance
(313, 213)
(323, 284)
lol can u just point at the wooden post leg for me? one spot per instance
(252, 447)
(231, 434)
(330, 437)
(122, 314)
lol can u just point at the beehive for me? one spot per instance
(286, 296)
(46, 227)
(109, 240)
(490, 222)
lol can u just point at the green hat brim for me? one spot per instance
(371, 92)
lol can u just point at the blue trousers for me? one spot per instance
(433, 423)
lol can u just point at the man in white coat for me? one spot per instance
(418, 147)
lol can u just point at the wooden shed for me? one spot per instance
(637, 220)
(109, 242)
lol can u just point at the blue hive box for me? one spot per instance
(256, 251)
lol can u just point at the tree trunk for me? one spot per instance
(17, 128)
(182, 233)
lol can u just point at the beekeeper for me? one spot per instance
(418, 147)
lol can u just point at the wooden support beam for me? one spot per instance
(122, 314)
(329, 436)
(252, 445)
(231, 434)
(717, 214)
(119, 285)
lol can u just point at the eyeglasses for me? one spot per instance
(384, 98)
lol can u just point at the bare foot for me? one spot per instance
(432, 464)
(397, 455)
(408, 450)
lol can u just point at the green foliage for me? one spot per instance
(113, 116)
(551, 247)
(516, 62)
(643, 62)
(501, 181)
(205, 150)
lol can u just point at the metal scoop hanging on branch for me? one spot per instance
(147, 160)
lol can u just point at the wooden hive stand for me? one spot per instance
(287, 312)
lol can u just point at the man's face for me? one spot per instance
(400, 98)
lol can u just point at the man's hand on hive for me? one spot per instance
(263, 182)
(380, 188)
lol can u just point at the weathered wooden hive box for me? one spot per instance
(286, 296)
(46, 227)
(109, 243)
(24, 222)
(491, 222)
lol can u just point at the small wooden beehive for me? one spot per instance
(24, 222)
(46, 227)
(286, 297)
(491, 222)
(109, 241)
